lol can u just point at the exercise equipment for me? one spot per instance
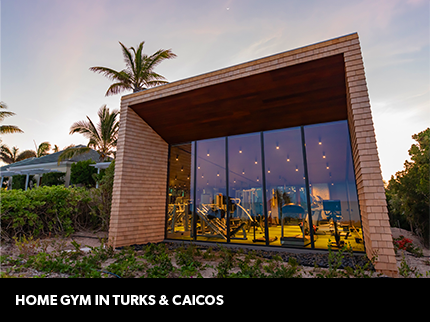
(333, 212)
(293, 212)
(215, 224)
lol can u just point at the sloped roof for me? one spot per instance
(53, 158)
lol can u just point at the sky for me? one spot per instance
(48, 46)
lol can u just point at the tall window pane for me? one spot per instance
(211, 191)
(245, 189)
(333, 192)
(287, 207)
(181, 179)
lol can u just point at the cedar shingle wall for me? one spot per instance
(140, 174)
(139, 193)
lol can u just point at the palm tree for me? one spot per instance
(102, 138)
(7, 129)
(10, 156)
(139, 72)
(42, 149)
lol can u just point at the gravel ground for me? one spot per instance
(310, 264)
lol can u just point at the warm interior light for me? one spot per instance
(323, 155)
(182, 168)
(258, 179)
(268, 171)
(177, 157)
(217, 174)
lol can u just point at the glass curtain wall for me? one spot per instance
(309, 197)
(180, 194)
(246, 189)
(287, 204)
(333, 191)
(211, 222)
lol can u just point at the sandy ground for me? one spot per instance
(422, 264)
(89, 239)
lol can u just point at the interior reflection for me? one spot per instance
(211, 221)
(301, 194)
(287, 210)
(246, 189)
(332, 186)
(179, 204)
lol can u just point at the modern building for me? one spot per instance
(279, 152)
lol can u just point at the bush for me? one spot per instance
(44, 210)
(102, 196)
(82, 173)
(18, 181)
(53, 179)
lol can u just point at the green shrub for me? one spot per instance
(53, 179)
(18, 181)
(82, 173)
(44, 210)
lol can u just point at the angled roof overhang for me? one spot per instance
(304, 93)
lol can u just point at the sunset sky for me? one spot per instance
(47, 47)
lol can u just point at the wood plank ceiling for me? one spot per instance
(302, 94)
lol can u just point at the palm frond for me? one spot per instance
(72, 152)
(4, 114)
(156, 58)
(26, 155)
(128, 58)
(8, 129)
(85, 128)
(93, 129)
(112, 74)
(43, 149)
(6, 154)
(117, 88)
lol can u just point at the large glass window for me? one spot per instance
(287, 205)
(246, 189)
(211, 191)
(333, 192)
(292, 187)
(180, 194)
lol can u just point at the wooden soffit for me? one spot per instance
(307, 93)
